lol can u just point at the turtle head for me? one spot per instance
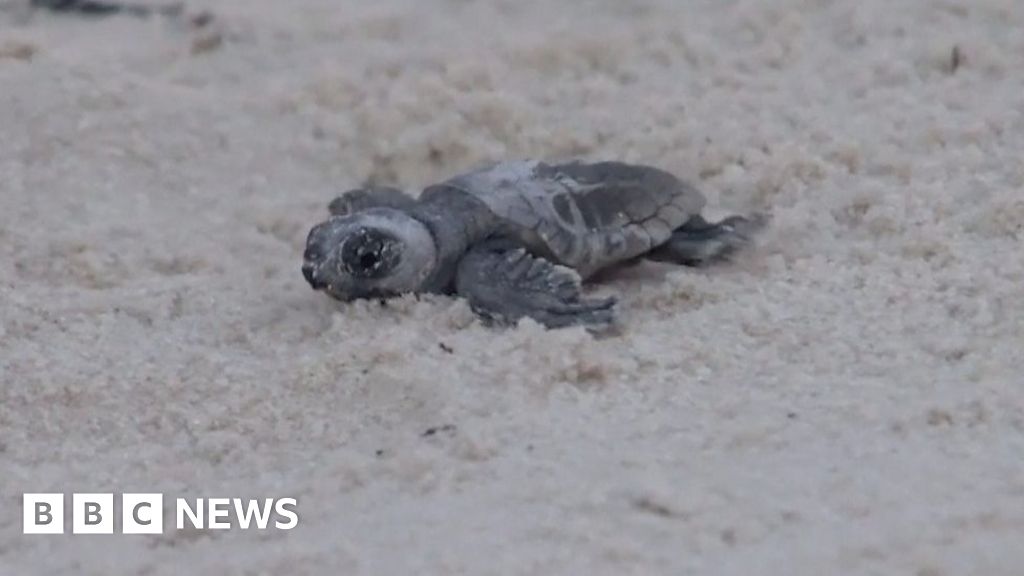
(375, 253)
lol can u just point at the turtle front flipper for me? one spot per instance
(699, 242)
(504, 283)
(370, 197)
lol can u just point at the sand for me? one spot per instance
(844, 399)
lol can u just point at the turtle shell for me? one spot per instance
(585, 216)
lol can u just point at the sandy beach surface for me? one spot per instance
(847, 398)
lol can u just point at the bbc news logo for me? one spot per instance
(144, 513)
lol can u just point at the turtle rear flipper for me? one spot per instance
(503, 283)
(699, 242)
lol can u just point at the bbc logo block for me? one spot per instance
(92, 513)
(142, 513)
(44, 513)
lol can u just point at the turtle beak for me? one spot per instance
(309, 270)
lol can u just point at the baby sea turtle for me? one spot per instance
(516, 239)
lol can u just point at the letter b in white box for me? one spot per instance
(142, 513)
(43, 513)
(92, 513)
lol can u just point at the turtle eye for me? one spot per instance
(364, 254)
(369, 260)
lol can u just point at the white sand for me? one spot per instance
(845, 400)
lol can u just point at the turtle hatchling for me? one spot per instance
(516, 239)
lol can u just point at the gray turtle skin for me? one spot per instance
(516, 239)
